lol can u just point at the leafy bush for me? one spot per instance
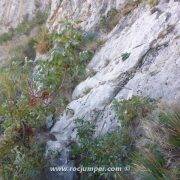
(149, 159)
(112, 150)
(100, 152)
(133, 109)
(6, 37)
(24, 105)
(150, 162)
(125, 56)
(23, 113)
(24, 163)
(171, 122)
(66, 67)
(115, 149)
(159, 132)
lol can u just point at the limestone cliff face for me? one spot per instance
(148, 38)
(140, 56)
(87, 11)
(12, 12)
(151, 39)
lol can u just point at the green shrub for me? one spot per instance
(24, 106)
(130, 110)
(23, 113)
(150, 163)
(171, 122)
(115, 149)
(24, 163)
(148, 160)
(161, 135)
(6, 37)
(125, 56)
(107, 151)
(67, 64)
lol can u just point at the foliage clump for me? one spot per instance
(125, 56)
(22, 113)
(158, 129)
(31, 92)
(130, 110)
(107, 151)
(6, 37)
(24, 163)
(158, 158)
(66, 67)
(147, 140)
(114, 149)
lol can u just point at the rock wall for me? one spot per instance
(12, 12)
(86, 11)
(140, 56)
(150, 36)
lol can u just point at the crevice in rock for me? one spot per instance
(125, 77)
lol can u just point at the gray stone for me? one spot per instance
(151, 36)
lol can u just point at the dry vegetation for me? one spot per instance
(44, 41)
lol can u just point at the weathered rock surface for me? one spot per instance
(150, 35)
(12, 12)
